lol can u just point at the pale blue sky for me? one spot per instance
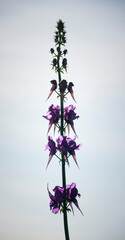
(95, 33)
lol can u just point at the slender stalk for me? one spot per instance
(63, 160)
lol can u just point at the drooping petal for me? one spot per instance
(50, 157)
(50, 194)
(70, 203)
(49, 94)
(50, 125)
(54, 128)
(76, 203)
(74, 157)
(66, 159)
(72, 94)
(68, 126)
(72, 126)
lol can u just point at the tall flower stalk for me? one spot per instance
(62, 118)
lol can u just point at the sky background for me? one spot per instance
(95, 43)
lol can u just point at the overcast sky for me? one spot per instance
(95, 43)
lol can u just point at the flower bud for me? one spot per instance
(60, 26)
(54, 62)
(65, 52)
(64, 64)
(52, 50)
(64, 32)
(56, 38)
(63, 39)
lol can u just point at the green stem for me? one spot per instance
(63, 161)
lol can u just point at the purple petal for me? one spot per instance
(68, 128)
(73, 185)
(71, 107)
(61, 189)
(60, 139)
(76, 203)
(74, 130)
(79, 195)
(50, 195)
(50, 157)
(74, 157)
(50, 125)
(77, 147)
(71, 207)
(49, 115)
(55, 210)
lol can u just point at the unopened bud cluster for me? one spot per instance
(60, 40)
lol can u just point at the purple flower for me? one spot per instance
(53, 116)
(63, 86)
(72, 147)
(57, 199)
(54, 86)
(62, 145)
(71, 194)
(66, 145)
(69, 116)
(71, 90)
(52, 148)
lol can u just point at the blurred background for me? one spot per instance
(95, 43)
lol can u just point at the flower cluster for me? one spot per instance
(53, 115)
(63, 85)
(56, 200)
(65, 146)
(70, 116)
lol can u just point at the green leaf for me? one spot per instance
(68, 210)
